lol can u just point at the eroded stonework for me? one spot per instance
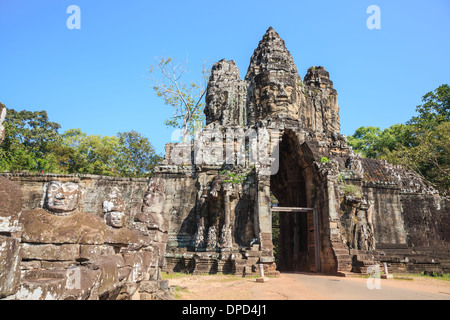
(67, 252)
(10, 228)
(272, 139)
(226, 95)
(361, 212)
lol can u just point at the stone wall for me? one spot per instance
(110, 246)
(94, 190)
(405, 220)
(209, 225)
(10, 211)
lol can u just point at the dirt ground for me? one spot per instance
(299, 286)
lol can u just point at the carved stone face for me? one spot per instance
(275, 93)
(215, 101)
(114, 209)
(62, 197)
(115, 219)
(114, 202)
(154, 197)
(215, 188)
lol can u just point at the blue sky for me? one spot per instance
(96, 78)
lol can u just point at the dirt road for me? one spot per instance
(295, 286)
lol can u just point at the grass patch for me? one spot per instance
(410, 276)
(444, 277)
(402, 277)
(176, 275)
(351, 190)
(178, 292)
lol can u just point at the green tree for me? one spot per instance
(128, 154)
(186, 99)
(92, 154)
(137, 156)
(422, 144)
(435, 109)
(429, 147)
(365, 141)
(29, 137)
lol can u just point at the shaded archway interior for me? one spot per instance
(293, 186)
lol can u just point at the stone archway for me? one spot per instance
(293, 186)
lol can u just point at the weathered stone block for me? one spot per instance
(54, 265)
(64, 252)
(108, 282)
(149, 286)
(9, 266)
(40, 226)
(92, 252)
(71, 284)
(10, 206)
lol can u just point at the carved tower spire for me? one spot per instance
(273, 81)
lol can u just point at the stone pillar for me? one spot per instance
(226, 241)
(10, 209)
(264, 221)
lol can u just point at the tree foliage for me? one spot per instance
(29, 136)
(33, 143)
(137, 156)
(422, 144)
(186, 99)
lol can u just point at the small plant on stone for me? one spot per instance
(236, 178)
(351, 190)
(325, 160)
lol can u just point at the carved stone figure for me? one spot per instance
(321, 110)
(212, 239)
(200, 235)
(113, 209)
(276, 94)
(273, 80)
(152, 207)
(226, 241)
(62, 198)
(201, 216)
(226, 238)
(115, 219)
(226, 95)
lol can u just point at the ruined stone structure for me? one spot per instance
(270, 138)
(361, 212)
(10, 210)
(81, 237)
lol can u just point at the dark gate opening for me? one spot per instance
(293, 187)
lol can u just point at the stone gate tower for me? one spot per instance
(275, 138)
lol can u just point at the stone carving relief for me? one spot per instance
(226, 95)
(62, 198)
(114, 209)
(276, 94)
(357, 221)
